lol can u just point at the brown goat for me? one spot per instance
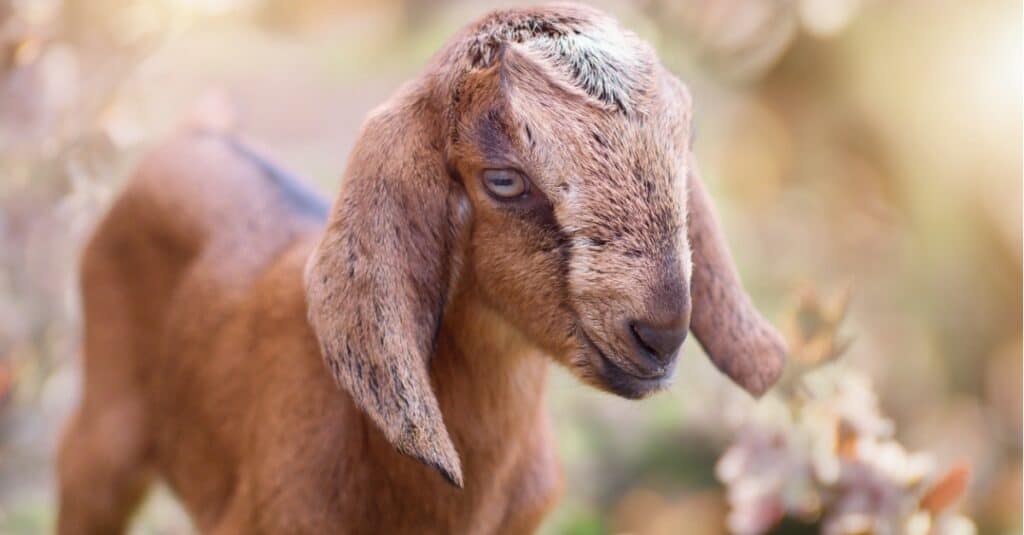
(524, 200)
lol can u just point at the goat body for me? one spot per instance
(202, 368)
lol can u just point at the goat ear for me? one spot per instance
(740, 342)
(377, 284)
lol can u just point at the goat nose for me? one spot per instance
(659, 341)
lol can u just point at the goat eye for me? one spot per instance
(505, 183)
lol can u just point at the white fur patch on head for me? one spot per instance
(589, 49)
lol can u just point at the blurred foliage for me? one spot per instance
(864, 154)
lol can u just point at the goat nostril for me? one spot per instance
(660, 342)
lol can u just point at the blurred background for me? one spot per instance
(865, 156)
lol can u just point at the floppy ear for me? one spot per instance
(740, 342)
(378, 282)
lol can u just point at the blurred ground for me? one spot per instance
(870, 143)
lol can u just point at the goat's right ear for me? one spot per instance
(378, 282)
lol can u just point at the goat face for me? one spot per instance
(579, 204)
(542, 162)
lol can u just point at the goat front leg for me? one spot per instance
(103, 474)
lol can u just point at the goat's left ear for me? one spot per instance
(378, 282)
(740, 342)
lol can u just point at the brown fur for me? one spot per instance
(214, 295)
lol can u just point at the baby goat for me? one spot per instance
(531, 197)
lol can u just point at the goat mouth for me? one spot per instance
(617, 380)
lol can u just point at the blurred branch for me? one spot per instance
(820, 451)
